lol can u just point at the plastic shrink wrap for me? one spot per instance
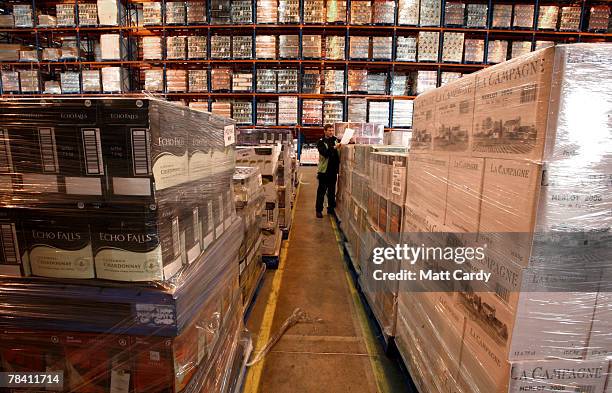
(271, 150)
(120, 247)
(500, 157)
(250, 203)
(371, 192)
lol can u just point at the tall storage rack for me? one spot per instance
(131, 31)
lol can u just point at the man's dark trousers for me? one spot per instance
(327, 183)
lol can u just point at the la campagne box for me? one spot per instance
(533, 107)
(600, 341)
(427, 183)
(523, 202)
(511, 107)
(549, 376)
(463, 202)
(576, 193)
(440, 350)
(454, 109)
(437, 319)
(518, 300)
(508, 206)
(423, 122)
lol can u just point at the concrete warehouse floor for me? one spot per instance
(337, 354)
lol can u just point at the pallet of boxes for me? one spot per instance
(285, 179)
(371, 194)
(250, 203)
(272, 156)
(120, 243)
(385, 199)
(516, 159)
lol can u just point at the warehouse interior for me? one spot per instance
(270, 196)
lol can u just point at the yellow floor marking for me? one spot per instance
(254, 374)
(368, 335)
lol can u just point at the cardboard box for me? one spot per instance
(435, 316)
(549, 376)
(111, 47)
(427, 184)
(509, 197)
(145, 153)
(13, 251)
(511, 107)
(144, 247)
(465, 181)
(53, 150)
(454, 109)
(59, 246)
(109, 12)
(423, 121)
(600, 341)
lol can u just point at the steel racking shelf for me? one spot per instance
(131, 27)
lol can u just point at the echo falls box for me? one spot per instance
(50, 153)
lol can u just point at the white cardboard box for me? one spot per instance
(464, 194)
(454, 108)
(427, 183)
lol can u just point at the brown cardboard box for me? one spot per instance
(511, 107)
(436, 316)
(454, 110)
(465, 176)
(509, 197)
(415, 221)
(549, 376)
(600, 341)
(427, 183)
(423, 121)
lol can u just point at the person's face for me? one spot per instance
(329, 132)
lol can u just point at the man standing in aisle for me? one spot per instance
(329, 163)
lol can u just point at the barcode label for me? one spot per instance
(6, 160)
(93, 151)
(141, 151)
(9, 244)
(48, 149)
(585, 389)
(503, 293)
(176, 240)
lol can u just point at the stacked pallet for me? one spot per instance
(499, 162)
(120, 242)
